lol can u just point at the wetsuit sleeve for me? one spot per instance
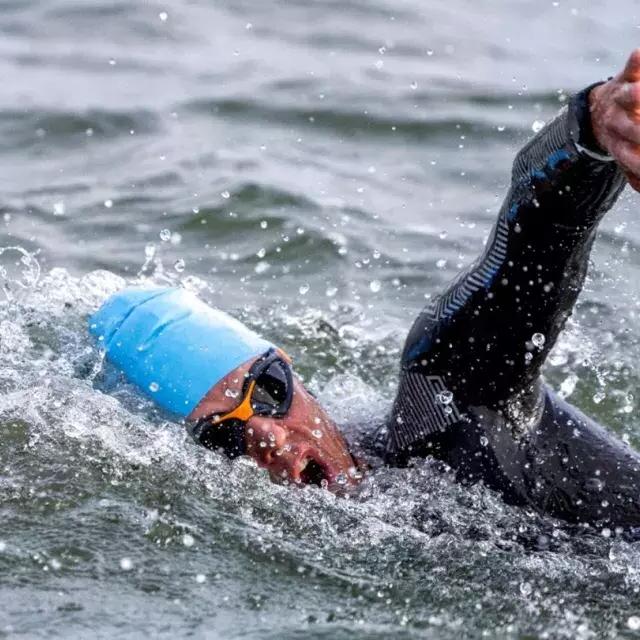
(483, 341)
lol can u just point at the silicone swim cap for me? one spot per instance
(171, 344)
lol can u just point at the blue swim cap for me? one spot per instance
(171, 344)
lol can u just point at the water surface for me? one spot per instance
(319, 169)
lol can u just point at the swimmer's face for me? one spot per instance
(303, 447)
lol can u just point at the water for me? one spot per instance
(318, 168)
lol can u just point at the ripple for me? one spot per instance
(30, 128)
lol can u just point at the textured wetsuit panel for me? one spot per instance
(470, 390)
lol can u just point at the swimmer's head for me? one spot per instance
(235, 389)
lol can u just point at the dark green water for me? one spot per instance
(317, 168)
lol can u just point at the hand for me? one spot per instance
(615, 118)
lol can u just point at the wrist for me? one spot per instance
(595, 119)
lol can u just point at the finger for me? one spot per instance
(628, 156)
(628, 97)
(631, 71)
(624, 128)
(634, 182)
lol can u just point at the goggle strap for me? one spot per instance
(244, 410)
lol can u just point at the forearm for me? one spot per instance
(478, 334)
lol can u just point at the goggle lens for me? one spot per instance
(271, 388)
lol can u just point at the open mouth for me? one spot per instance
(313, 472)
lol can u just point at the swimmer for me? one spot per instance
(470, 391)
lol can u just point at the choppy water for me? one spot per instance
(317, 168)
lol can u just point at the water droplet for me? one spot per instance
(355, 473)
(261, 253)
(538, 340)
(163, 15)
(537, 125)
(126, 564)
(414, 85)
(3, 546)
(188, 540)
(341, 478)
(484, 441)
(201, 578)
(375, 286)
(525, 589)
(304, 289)
(633, 622)
(231, 393)
(316, 433)
(441, 264)
(153, 387)
(149, 251)
(165, 235)
(56, 564)
(59, 208)
(226, 195)
(331, 291)
(429, 52)
(108, 203)
(261, 267)
(179, 265)
(501, 128)
(445, 397)
(264, 224)
(594, 484)
(599, 396)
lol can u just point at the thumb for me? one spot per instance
(631, 71)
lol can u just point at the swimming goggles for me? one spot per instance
(267, 391)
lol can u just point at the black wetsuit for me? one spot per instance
(470, 389)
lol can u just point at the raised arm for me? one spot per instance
(483, 342)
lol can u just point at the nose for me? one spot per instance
(264, 438)
(284, 455)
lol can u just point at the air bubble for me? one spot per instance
(304, 289)
(165, 235)
(375, 286)
(126, 564)
(316, 433)
(226, 195)
(153, 387)
(179, 265)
